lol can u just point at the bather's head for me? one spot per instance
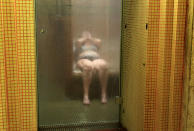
(86, 34)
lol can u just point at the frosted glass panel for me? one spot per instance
(78, 62)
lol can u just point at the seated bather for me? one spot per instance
(89, 62)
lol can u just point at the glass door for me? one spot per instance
(78, 45)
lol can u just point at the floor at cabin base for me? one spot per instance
(73, 112)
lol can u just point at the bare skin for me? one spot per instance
(89, 67)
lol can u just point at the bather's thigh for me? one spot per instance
(100, 64)
(85, 64)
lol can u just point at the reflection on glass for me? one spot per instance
(78, 62)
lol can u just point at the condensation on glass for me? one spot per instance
(65, 30)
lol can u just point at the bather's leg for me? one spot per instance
(101, 66)
(86, 66)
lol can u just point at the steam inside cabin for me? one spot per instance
(61, 24)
